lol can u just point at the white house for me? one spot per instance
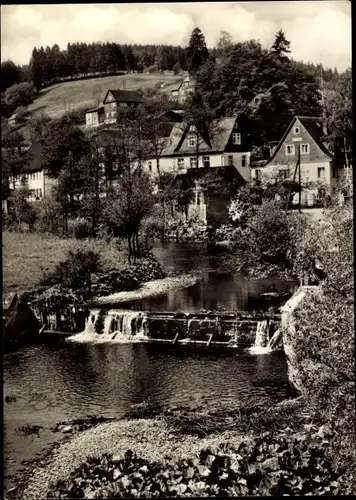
(319, 169)
(226, 146)
(33, 176)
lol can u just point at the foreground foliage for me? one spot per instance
(285, 463)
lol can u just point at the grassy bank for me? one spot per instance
(62, 97)
(27, 256)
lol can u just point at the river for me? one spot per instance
(60, 381)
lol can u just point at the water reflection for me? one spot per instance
(54, 384)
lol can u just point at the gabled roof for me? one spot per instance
(222, 131)
(124, 96)
(313, 125)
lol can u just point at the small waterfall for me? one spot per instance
(114, 325)
(261, 341)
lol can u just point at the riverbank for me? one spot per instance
(135, 457)
(148, 289)
(28, 256)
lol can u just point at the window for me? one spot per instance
(235, 126)
(258, 175)
(230, 160)
(112, 113)
(150, 166)
(321, 173)
(193, 128)
(180, 163)
(290, 149)
(296, 130)
(236, 138)
(304, 149)
(193, 163)
(107, 115)
(243, 160)
(113, 105)
(206, 161)
(192, 140)
(114, 166)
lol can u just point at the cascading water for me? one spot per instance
(114, 325)
(262, 339)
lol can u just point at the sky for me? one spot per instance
(319, 31)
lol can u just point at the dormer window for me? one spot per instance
(296, 130)
(192, 140)
(236, 139)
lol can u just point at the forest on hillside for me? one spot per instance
(264, 87)
(49, 65)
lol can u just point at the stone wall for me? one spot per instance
(290, 329)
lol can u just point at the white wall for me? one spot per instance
(37, 182)
(171, 164)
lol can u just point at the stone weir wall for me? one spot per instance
(289, 329)
(206, 328)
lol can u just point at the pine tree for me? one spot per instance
(281, 46)
(197, 52)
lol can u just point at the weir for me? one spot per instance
(210, 329)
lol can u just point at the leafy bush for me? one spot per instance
(324, 345)
(19, 95)
(266, 243)
(76, 271)
(49, 216)
(80, 228)
(283, 464)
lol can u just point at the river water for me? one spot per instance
(60, 381)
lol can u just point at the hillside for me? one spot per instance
(62, 97)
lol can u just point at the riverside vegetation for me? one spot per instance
(281, 453)
(304, 446)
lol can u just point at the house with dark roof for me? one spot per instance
(114, 99)
(222, 144)
(222, 149)
(184, 90)
(94, 117)
(33, 175)
(320, 171)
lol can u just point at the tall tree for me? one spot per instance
(10, 74)
(339, 111)
(281, 46)
(197, 52)
(225, 44)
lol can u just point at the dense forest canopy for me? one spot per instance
(51, 64)
(263, 86)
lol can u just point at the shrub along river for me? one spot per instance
(61, 381)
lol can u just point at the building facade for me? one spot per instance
(33, 176)
(303, 143)
(116, 99)
(94, 117)
(184, 90)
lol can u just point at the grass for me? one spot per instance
(62, 97)
(27, 256)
